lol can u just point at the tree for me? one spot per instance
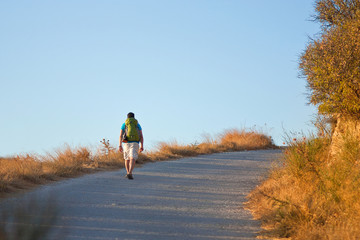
(331, 64)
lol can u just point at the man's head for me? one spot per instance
(131, 115)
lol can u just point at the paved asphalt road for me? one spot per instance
(192, 198)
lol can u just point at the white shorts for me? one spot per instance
(131, 150)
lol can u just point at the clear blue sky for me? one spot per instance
(70, 71)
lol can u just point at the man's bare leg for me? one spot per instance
(127, 166)
(131, 165)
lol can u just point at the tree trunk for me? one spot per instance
(346, 128)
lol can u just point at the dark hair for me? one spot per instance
(131, 115)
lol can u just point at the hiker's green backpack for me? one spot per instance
(132, 130)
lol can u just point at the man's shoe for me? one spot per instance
(127, 176)
(130, 176)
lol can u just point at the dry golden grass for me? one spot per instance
(237, 140)
(28, 170)
(230, 140)
(172, 150)
(311, 195)
(66, 162)
(25, 168)
(22, 172)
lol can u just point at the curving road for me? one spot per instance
(191, 198)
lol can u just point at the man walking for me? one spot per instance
(130, 136)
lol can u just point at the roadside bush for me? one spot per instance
(312, 195)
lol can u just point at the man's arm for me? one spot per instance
(141, 141)
(121, 140)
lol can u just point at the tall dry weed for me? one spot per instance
(108, 156)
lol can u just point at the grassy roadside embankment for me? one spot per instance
(313, 193)
(26, 171)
